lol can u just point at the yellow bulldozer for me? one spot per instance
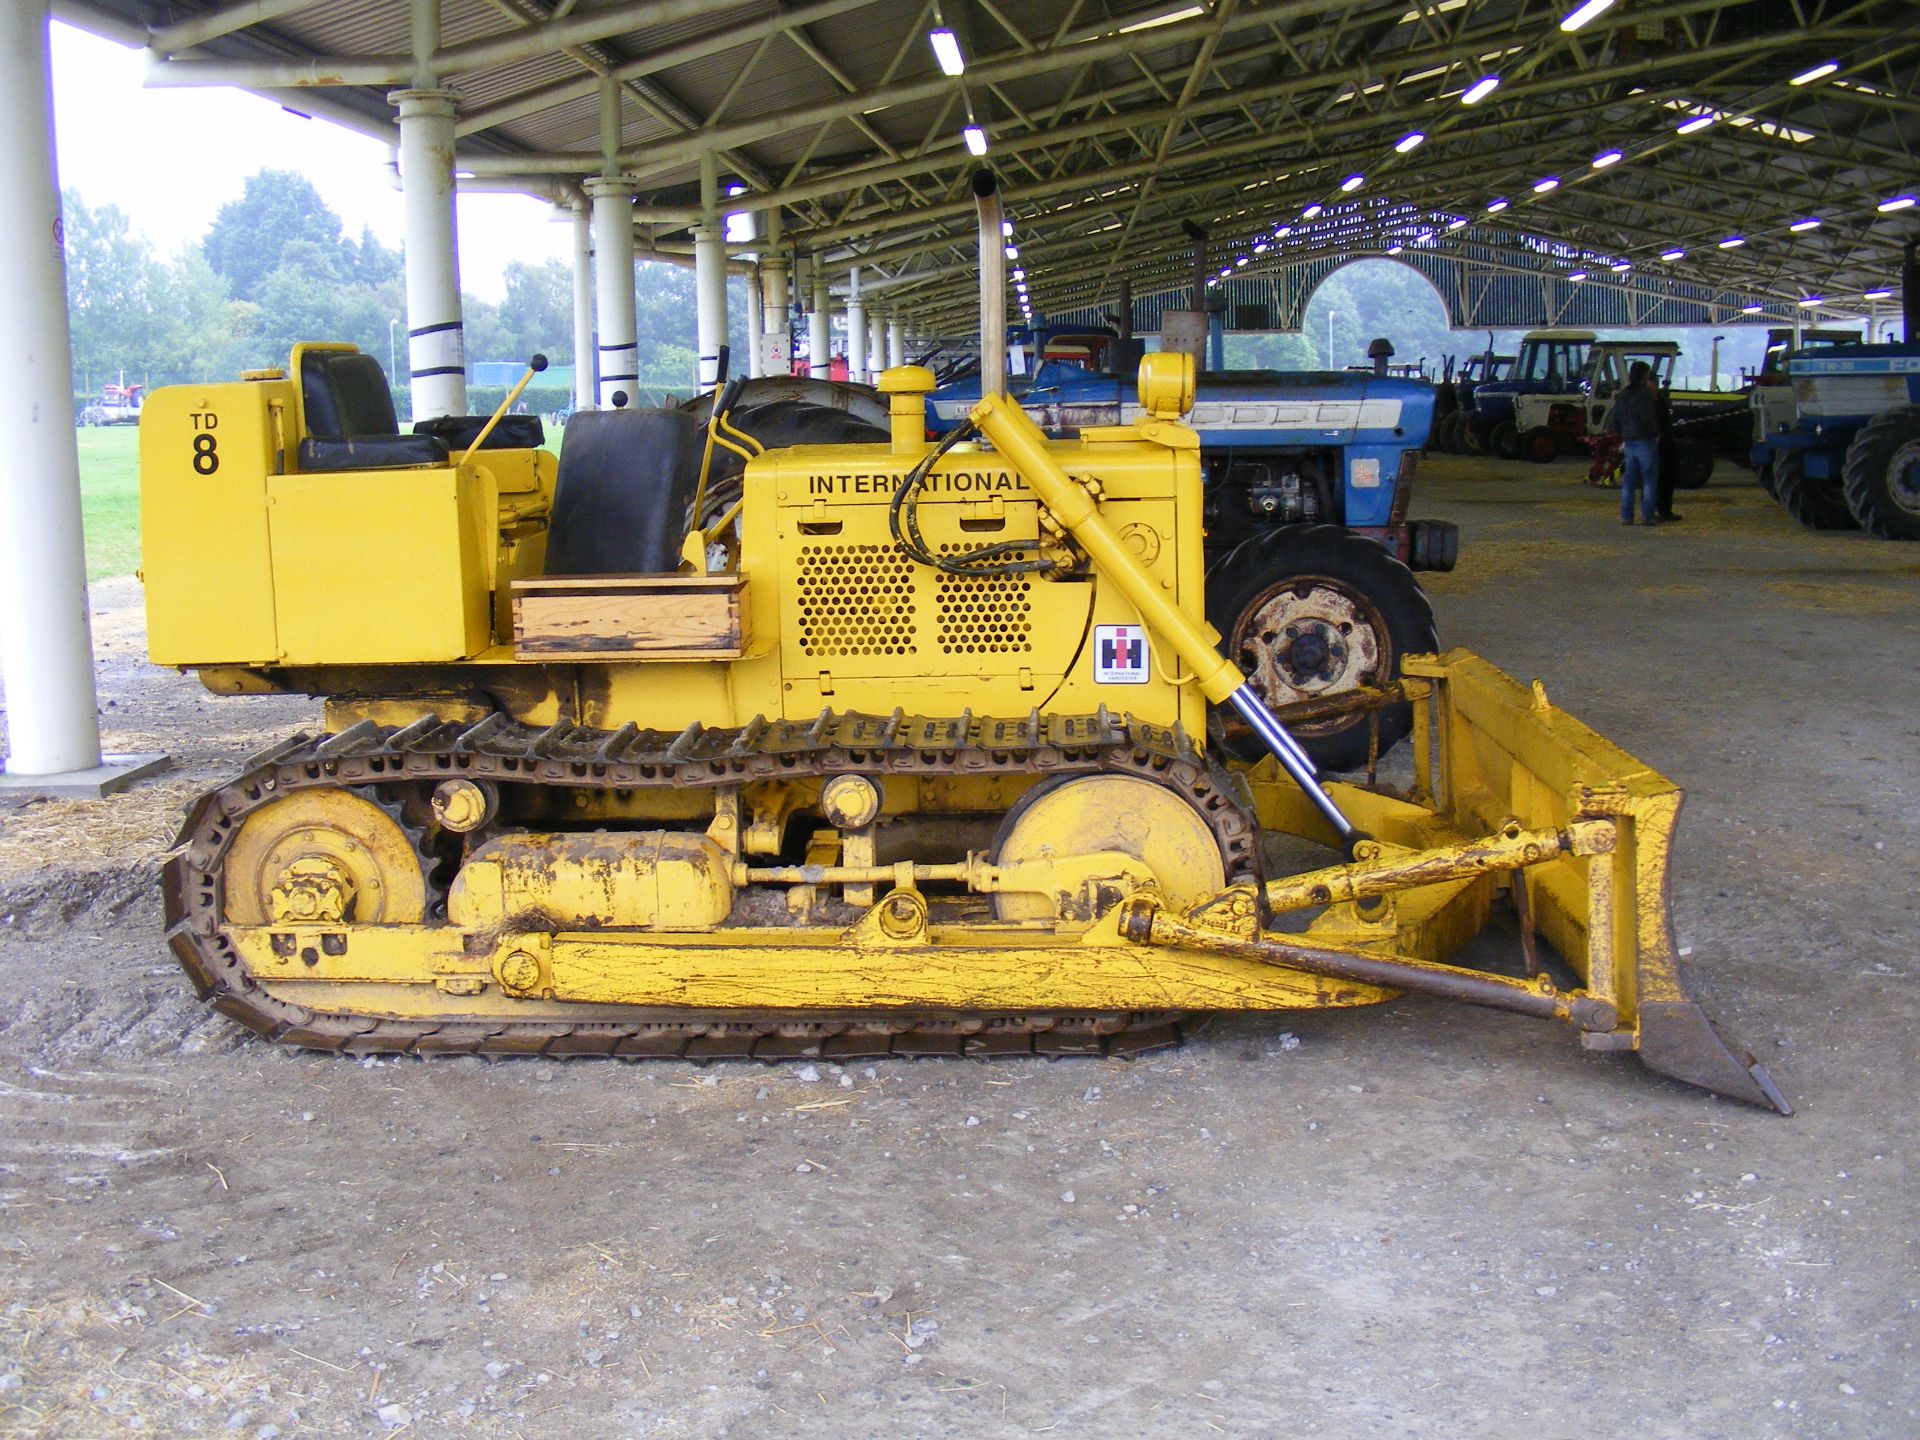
(902, 749)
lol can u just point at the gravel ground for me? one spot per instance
(1421, 1220)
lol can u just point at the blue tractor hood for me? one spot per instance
(1236, 407)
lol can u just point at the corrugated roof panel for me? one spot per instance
(1858, 130)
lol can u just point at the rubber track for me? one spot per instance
(573, 757)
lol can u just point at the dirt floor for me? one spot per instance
(1419, 1221)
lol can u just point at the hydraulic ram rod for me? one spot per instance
(1145, 921)
(1221, 681)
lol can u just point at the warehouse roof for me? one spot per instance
(1744, 149)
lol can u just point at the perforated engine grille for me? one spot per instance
(991, 615)
(856, 600)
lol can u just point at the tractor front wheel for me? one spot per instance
(1540, 445)
(1504, 441)
(1692, 465)
(1817, 504)
(1883, 475)
(1311, 611)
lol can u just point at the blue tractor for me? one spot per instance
(1839, 443)
(1310, 553)
(1846, 452)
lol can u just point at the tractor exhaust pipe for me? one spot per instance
(1910, 292)
(993, 285)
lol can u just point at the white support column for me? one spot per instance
(710, 298)
(755, 304)
(584, 356)
(436, 345)
(710, 273)
(896, 342)
(820, 329)
(613, 287)
(774, 320)
(876, 346)
(856, 330)
(46, 642)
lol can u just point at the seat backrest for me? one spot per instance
(623, 501)
(344, 396)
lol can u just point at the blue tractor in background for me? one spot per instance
(1549, 363)
(1844, 452)
(1310, 553)
(1839, 443)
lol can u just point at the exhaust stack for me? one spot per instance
(1910, 292)
(993, 286)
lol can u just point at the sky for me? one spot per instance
(171, 158)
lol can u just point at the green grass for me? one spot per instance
(110, 498)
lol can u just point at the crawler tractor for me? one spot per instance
(909, 752)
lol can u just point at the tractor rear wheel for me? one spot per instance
(1310, 611)
(1504, 441)
(1692, 465)
(1882, 483)
(1540, 445)
(1817, 504)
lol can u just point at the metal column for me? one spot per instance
(820, 330)
(710, 273)
(856, 329)
(613, 287)
(896, 342)
(775, 301)
(46, 642)
(584, 366)
(710, 297)
(755, 304)
(436, 345)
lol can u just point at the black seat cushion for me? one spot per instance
(345, 395)
(622, 503)
(514, 432)
(372, 452)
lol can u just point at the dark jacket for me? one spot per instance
(1635, 414)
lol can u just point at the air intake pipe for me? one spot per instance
(1910, 292)
(993, 285)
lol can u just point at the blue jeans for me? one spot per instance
(1639, 470)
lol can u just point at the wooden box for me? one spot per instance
(630, 617)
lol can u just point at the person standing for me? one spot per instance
(1669, 466)
(1635, 417)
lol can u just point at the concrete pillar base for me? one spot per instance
(114, 773)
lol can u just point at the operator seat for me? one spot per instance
(349, 420)
(623, 501)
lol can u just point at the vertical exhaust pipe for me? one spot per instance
(993, 285)
(1910, 292)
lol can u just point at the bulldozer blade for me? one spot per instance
(1679, 1041)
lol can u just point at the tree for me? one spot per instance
(277, 208)
(109, 294)
(197, 331)
(488, 335)
(371, 263)
(538, 311)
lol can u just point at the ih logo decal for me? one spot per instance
(1119, 655)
